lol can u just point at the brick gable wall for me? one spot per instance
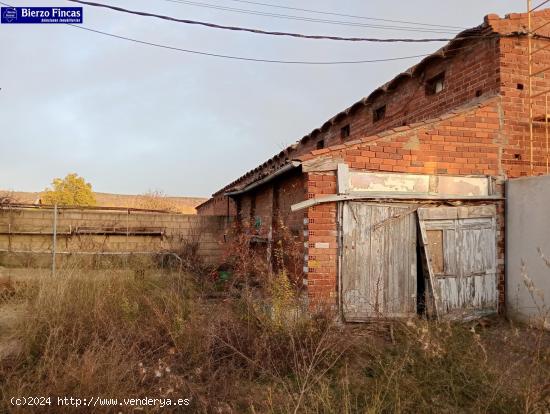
(466, 142)
(471, 72)
(471, 69)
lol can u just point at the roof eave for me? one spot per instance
(285, 168)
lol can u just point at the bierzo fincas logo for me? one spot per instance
(9, 14)
(41, 15)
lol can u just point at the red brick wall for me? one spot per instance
(322, 243)
(245, 211)
(514, 71)
(263, 210)
(468, 142)
(486, 66)
(217, 206)
(473, 70)
(291, 191)
(266, 212)
(269, 205)
(289, 226)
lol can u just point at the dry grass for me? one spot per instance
(151, 333)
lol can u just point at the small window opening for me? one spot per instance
(345, 131)
(520, 86)
(379, 113)
(517, 157)
(435, 84)
(321, 144)
(479, 92)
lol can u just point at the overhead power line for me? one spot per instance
(233, 57)
(346, 15)
(312, 19)
(539, 6)
(250, 59)
(258, 31)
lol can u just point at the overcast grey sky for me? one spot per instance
(130, 118)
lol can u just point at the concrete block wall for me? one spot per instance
(528, 249)
(31, 229)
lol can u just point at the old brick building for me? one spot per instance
(446, 133)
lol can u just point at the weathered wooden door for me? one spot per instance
(378, 268)
(460, 247)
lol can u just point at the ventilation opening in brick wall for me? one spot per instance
(379, 113)
(320, 144)
(435, 84)
(345, 131)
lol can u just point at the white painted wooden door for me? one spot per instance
(378, 268)
(460, 245)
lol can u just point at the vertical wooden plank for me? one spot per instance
(435, 289)
(377, 261)
(413, 265)
(363, 259)
(348, 262)
(379, 278)
(343, 178)
(435, 243)
(467, 285)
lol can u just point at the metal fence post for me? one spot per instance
(54, 242)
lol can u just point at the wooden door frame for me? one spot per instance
(413, 207)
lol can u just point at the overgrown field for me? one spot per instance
(233, 349)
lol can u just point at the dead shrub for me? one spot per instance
(117, 333)
(246, 260)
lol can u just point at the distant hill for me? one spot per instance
(184, 205)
